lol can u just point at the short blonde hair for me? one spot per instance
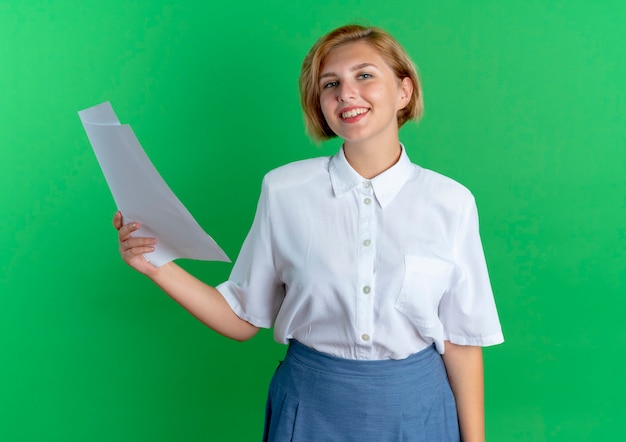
(388, 47)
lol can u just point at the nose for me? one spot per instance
(345, 91)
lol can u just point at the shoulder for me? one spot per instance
(296, 174)
(441, 184)
(442, 191)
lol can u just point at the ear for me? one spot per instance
(406, 92)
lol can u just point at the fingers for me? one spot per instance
(130, 242)
(118, 221)
(137, 246)
(125, 230)
(131, 249)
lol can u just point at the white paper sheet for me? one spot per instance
(141, 194)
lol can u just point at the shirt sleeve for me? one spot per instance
(253, 290)
(467, 310)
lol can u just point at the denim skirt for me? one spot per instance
(315, 397)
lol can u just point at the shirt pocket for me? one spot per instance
(425, 282)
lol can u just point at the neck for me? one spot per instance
(372, 158)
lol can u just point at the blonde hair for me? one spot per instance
(390, 50)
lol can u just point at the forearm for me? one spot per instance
(204, 302)
(464, 365)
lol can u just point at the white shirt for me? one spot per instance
(364, 269)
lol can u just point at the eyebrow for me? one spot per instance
(353, 68)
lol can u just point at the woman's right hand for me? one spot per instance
(201, 300)
(131, 248)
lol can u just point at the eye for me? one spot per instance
(364, 76)
(330, 84)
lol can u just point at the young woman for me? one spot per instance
(369, 266)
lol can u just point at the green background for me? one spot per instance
(525, 104)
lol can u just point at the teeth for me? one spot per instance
(353, 113)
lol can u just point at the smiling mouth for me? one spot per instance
(354, 112)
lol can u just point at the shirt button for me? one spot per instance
(367, 201)
(365, 337)
(367, 289)
(367, 184)
(367, 242)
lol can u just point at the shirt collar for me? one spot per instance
(386, 185)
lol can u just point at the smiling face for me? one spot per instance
(360, 95)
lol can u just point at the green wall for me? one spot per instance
(525, 104)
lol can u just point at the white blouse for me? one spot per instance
(364, 269)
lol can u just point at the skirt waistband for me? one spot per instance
(326, 363)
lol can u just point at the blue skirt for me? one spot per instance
(315, 397)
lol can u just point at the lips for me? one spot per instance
(352, 113)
